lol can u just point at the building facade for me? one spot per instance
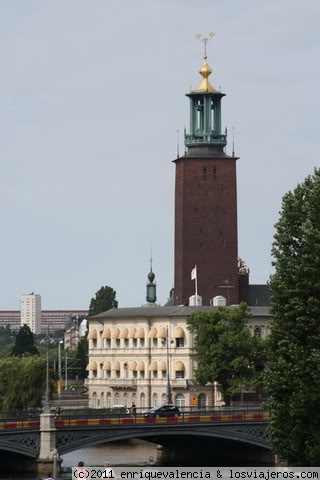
(53, 320)
(58, 319)
(30, 312)
(135, 353)
(75, 329)
(206, 203)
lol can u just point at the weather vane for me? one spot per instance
(205, 40)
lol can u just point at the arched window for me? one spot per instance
(163, 398)
(179, 336)
(134, 398)
(142, 400)
(180, 400)
(179, 370)
(154, 400)
(125, 399)
(102, 400)
(257, 332)
(94, 400)
(126, 370)
(108, 400)
(117, 399)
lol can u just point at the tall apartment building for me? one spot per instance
(30, 308)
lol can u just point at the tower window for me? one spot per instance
(214, 172)
(212, 117)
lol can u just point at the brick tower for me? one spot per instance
(206, 203)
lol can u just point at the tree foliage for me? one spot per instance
(22, 382)
(104, 299)
(82, 357)
(293, 376)
(226, 351)
(6, 337)
(24, 343)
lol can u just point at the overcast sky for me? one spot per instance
(92, 94)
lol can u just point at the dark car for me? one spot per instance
(164, 411)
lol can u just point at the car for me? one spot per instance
(163, 411)
(118, 410)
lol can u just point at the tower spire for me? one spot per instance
(205, 70)
(205, 109)
(151, 296)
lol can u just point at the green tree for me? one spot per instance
(22, 382)
(82, 357)
(104, 299)
(293, 376)
(226, 351)
(24, 342)
(6, 338)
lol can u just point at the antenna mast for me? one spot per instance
(178, 144)
(233, 141)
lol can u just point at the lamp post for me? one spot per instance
(59, 366)
(46, 403)
(169, 391)
(66, 373)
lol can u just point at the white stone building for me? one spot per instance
(30, 312)
(129, 357)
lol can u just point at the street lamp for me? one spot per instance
(66, 372)
(46, 403)
(165, 341)
(59, 365)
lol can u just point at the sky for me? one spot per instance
(92, 94)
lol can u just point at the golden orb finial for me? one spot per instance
(205, 70)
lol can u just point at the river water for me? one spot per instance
(141, 453)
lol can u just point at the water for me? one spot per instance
(141, 453)
(196, 454)
(129, 452)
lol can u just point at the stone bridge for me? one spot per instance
(40, 439)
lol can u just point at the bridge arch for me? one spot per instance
(68, 441)
(24, 443)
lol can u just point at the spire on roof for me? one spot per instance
(205, 70)
(151, 287)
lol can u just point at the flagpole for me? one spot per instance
(196, 284)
